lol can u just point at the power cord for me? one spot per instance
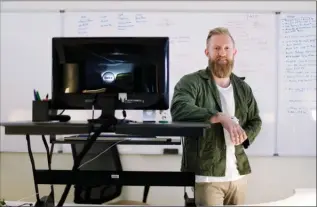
(103, 152)
(61, 112)
(90, 141)
(23, 204)
(124, 114)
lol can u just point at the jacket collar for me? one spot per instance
(206, 74)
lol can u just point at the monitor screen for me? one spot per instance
(121, 73)
(137, 66)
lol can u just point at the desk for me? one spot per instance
(69, 177)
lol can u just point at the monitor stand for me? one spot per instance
(104, 118)
(109, 106)
(107, 111)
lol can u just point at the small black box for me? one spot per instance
(41, 111)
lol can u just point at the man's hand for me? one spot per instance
(237, 134)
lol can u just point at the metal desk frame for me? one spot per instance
(70, 177)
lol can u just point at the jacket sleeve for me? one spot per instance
(253, 124)
(183, 106)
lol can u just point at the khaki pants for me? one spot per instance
(221, 193)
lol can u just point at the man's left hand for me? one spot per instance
(240, 139)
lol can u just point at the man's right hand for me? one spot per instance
(237, 134)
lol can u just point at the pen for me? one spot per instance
(38, 96)
(35, 95)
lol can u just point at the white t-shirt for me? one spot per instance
(228, 107)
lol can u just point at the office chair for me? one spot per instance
(109, 160)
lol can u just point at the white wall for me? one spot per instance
(272, 178)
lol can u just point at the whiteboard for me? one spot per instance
(266, 43)
(255, 33)
(25, 65)
(297, 85)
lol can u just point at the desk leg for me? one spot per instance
(33, 167)
(49, 154)
(46, 200)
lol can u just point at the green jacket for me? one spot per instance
(196, 99)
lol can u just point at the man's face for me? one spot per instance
(220, 52)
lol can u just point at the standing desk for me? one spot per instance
(74, 176)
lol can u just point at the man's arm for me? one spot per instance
(183, 107)
(254, 123)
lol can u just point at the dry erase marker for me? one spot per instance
(38, 96)
(35, 95)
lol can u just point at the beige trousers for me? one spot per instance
(221, 193)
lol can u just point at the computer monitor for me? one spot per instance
(110, 73)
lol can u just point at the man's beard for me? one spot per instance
(221, 70)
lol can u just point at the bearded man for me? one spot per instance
(217, 96)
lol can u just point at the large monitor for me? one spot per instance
(110, 73)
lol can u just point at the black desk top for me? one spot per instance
(82, 127)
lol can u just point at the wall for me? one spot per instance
(272, 178)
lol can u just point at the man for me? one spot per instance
(217, 96)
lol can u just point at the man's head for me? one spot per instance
(220, 51)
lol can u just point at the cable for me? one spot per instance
(90, 141)
(27, 197)
(24, 204)
(93, 112)
(124, 114)
(62, 112)
(103, 152)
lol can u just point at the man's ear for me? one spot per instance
(206, 52)
(235, 51)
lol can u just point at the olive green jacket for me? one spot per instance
(196, 99)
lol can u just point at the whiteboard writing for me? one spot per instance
(296, 125)
(124, 22)
(105, 21)
(299, 48)
(84, 23)
(140, 18)
(250, 36)
(129, 20)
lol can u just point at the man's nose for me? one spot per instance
(222, 52)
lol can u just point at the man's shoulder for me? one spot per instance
(193, 76)
(241, 82)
